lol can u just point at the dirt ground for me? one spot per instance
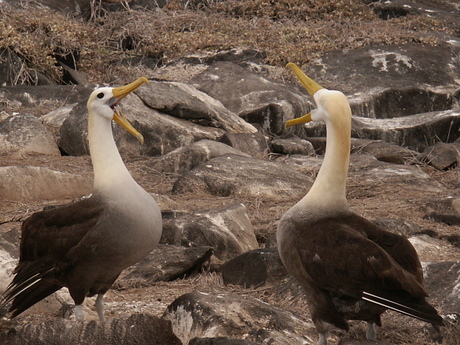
(370, 199)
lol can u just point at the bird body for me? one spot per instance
(348, 267)
(85, 245)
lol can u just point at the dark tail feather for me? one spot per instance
(26, 290)
(28, 298)
(416, 308)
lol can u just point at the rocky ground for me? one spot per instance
(401, 111)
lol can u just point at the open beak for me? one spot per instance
(119, 93)
(311, 87)
(298, 121)
(308, 83)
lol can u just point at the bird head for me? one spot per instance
(331, 104)
(105, 101)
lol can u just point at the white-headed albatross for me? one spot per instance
(85, 245)
(348, 267)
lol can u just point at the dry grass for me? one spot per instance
(106, 45)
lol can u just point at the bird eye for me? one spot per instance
(100, 95)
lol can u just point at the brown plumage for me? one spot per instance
(86, 244)
(348, 267)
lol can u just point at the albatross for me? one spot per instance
(348, 267)
(85, 245)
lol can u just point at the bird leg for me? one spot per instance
(371, 331)
(100, 307)
(322, 339)
(79, 313)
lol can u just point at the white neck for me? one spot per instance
(329, 189)
(109, 169)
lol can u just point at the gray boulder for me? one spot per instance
(220, 341)
(227, 230)
(291, 146)
(55, 118)
(159, 266)
(24, 134)
(447, 211)
(386, 152)
(368, 168)
(43, 96)
(189, 156)
(253, 144)
(254, 268)
(186, 102)
(441, 280)
(9, 252)
(441, 156)
(414, 132)
(238, 175)
(136, 329)
(253, 97)
(204, 315)
(27, 184)
(392, 80)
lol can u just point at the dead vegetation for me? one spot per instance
(107, 46)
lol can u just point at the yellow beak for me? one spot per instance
(298, 121)
(308, 83)
(121, 92)
(311, 87)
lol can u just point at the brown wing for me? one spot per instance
(51, 233)
(397, 246)
(46, 238)
(345, 262)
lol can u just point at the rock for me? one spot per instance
(159, 266)
(253, 97)
(46, 96)
(254, 268)
(451, 204)
(189, 156)
(27, 183)
(441, 281)
(391, 80)
(186, 102)
(430, 247)
(363, 342)
(227, 230)
(253, 144)
(136, 329)
(292, 146)
(445, 210)
(398, 226)
(9, 253)
(386, 152)
(24, 134)
(400, 8)
(308, 165)
(249, 177)
(449, 219)
(162, 133)
(73, 134)
(413, 132)
(220, 341)
(441, 156)
(368, 168)
(196, 314)
(54, 119)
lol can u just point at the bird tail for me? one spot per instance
(27, 288)
(417, 308)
